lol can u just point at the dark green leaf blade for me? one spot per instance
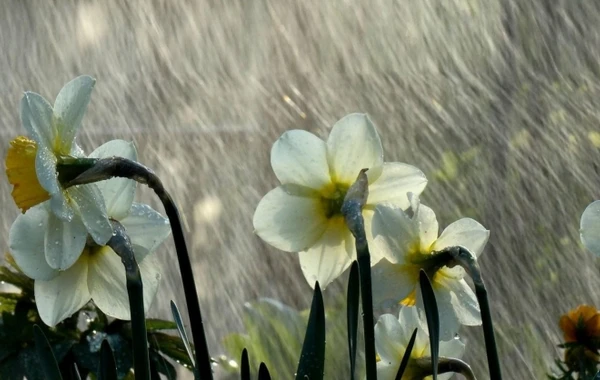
(263, 372)
(45, 355)
(406, 356)
(108, 367)
(182, 332)
(353, 300)
(433, 320)
(245, 366)
(312, 358)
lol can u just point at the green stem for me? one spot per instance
(120, 167)
(121, 244)
(352, 210)
(463, 257)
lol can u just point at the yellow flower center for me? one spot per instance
(332, 199)
(421, 260)
(20, 170)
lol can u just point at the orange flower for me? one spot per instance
(582, 325)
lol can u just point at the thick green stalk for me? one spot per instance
(120, 167)
(121, 244)
(352, 210)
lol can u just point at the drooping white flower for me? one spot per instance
(304, 213)
(31, 166)
(98, 273)
(590, 227)
(392, 336)
(408, 245)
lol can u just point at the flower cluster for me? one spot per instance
(61, 238)
(304, 215)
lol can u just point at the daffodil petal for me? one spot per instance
(27, 243)
(63, 295)
(394, 234)
(90, 204)
(354, 145)
(388, 370)
(396, 181)
(590, 227)
(428, 227)
(368, 215)
(330, 256)
(36, 115)
(465, 303)
(118, 193)
(108, 286)
(70, 106)
(409, 320)
(64, 241)
(45, 168)
(453, 348)
(289, 221)
(299, 157)
(389, 339)
(465, 232)
(146, 228)
(391, 283)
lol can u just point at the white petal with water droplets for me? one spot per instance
(395, 234)
(354, 145)
(26, 243)
(330, 256)
(299, 157)
(63, 295)
(64, 241)
(70, 106)
(289, 221)
(146, 228)
(90, 203)
(396, 181)
(118, 193)
(36, 115)
(590, 227)
(465, 232)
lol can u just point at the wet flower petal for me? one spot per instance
(354, 145)
(465, 232)
(299, 157)
(590, 227)
(289, 221)
(69, 108)
(36, 116)
(64, 241)
(146, 228)
(396, 180)
(63, 295)
(118, 193)
(92, 210)
(331, 255)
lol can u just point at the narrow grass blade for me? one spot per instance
(406, 356)
(108, 367)
(245, 366)
(312, 359)
(353, 300)
(263, 372)
(45, 355)
(433, 320)
(76, 373)
(182, 332)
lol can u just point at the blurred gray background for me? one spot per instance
(497, 101)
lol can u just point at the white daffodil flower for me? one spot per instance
(98, 273)
(408, 245)
(31, 167)
(304, 213)
(392, 336)
(590, 227)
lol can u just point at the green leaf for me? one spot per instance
(8, 301)
(17, 279)
(245, 366)
(406, 357)
(312, 359)
(108, 368)
(45, 355)
(353, 300)
(159, 324)
(160, 364)
(182, 332)
(263, 372)
(433, 320)
(170, 346)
